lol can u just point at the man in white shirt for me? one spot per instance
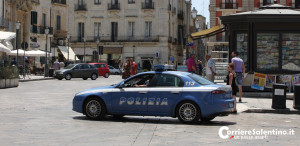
(210, 68)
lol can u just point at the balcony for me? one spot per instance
(35, 1)
(148, 5)
(113, 6)
(80, 7)
(180, 15)
(3, 22)
(64, 2)
(75, 39)
(229, 5)
(60, 34)
(40, 29)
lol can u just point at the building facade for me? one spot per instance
(150, 31)
(35, 16)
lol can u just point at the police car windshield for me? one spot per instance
(200, 80)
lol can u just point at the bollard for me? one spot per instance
(279, 96)
(297, 97)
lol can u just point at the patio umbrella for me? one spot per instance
(4, 48)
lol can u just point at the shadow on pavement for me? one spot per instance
(154, 120)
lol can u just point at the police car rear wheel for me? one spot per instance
(188, 112)
(95, 109)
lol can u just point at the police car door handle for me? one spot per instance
(175, 92)
(143, 92)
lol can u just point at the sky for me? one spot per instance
(202, 7)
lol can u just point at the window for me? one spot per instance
(297, 4)
(140, 80)
(131, 29)
(164, 80)
(97, 2)
(131, 1)
(291, 51)
(80, 2)
(242, 47)
(114, 2)
(267, 51)
(44, 18)
(97, 26)
(58, 22)
(34, 21)
(148, 28)
(80, 31)
(200, 80)
(266, 2)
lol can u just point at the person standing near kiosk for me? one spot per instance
(239, 69)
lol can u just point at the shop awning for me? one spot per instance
(28, 53)
(4, 35)
(4, 48)
(64, 51)
(208, 32)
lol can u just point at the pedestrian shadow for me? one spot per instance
(154, 120)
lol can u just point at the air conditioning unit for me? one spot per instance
(61, 42)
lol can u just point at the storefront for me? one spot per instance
(267, 39)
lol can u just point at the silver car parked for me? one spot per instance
(83, 71)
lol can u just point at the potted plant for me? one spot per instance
(9, 76)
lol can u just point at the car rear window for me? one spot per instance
(200, 80)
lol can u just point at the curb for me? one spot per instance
(265, 95)
(29, 80)
(274, 111)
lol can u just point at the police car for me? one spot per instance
(158, 93)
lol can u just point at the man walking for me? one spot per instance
(239, 69)
(191, 64)
(210, 68)
(200, 67)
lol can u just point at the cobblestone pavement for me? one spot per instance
(40, 113)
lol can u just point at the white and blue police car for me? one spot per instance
(187, 96)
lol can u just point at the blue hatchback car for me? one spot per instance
(187, 96)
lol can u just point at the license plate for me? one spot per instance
(230, 104)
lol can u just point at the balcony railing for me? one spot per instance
(75, 39)
(80, 7)
(113, 6)
(229, 5)
(40, 29)
(35, 1)
(64, 2)
(180, 14)
(60, 33)
(148, 5)
(3, 22)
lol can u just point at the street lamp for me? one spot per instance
(133, 51)
(68, 37)
(194, 15)
(188, 3)
(98, 41)
(46, 62)
(84, 40)
(18, 24)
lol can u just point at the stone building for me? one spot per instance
(150, 31)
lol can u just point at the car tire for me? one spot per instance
(68, 77)
(84, 78)
(106, 75)
(94, 108)
(188, 112)
(94, 76)
(207, 119)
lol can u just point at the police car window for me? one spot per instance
(200, 80)
(164, 80)
(139, 80)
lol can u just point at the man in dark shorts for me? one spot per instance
(239, 69)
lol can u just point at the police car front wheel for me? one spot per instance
(188, 112)
(94, 108)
